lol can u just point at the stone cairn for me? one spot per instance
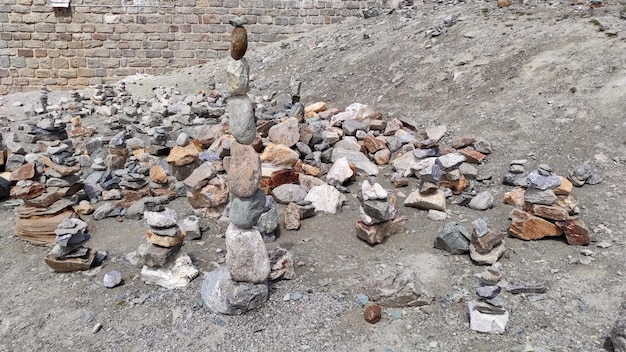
(242, 285)
(378, 212)
(68, 253)
(164, 264)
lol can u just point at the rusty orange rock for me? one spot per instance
(238, 43)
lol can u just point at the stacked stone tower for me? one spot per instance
(242, 285)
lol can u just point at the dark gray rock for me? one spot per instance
(453, 238)
(488, 291)
(618, 333)
(245, 212)
(268, 221)
(223, 295)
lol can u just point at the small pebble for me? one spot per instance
(96, 328)
(395, 314)
(296, 296)
(363, 299)
(372, 314)
(112, 279)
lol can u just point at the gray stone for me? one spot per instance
(288, 193)
(136, 209)
(487, 323)
(339, 172)
(182, 139)
(325, 198)
(488, 291)
(200, 176)
(245, 212)
(246, 256)
(160, 219)
(489, 258)
(103, 211)
(450, 161)
(482, 146)
(482, 201)
(238, 76)
(245, 174)
(281, 264)
(223, 295)
(191, 226)
(535, 196)
(453, 238)
(177, 272)
(360, 160)
(242, 122)
(403, 289)
(618, 333)
(538, 181)
(156, 256)
(286, 133)
(268, 221)
(468, 170)
(436, 132)
(377, 211)
(112, 279)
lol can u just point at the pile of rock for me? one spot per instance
(443, 170)
(486, 246)
(379, 214)
(242, 284)
(488, 315)
(549, 208)
(164, 264)
(68, 253)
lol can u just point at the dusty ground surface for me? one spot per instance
(544, 82)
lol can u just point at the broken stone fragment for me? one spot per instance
(286, 133)
(281, 263)
(155, 256)
(487, 323)
(488, 258)
(287, 193)
(453, 238)
(65, 265)
(279, 155)
(403, 289)
(372, 313)
(378, 233)
(549, 212)
(536, 196)
(223, 295)
(482, 201)
(325, 198)
(436, 201)
(238, 77)
(160, 219)
(339, 172)
(177, 272)
(576, 231)
(246, 256)
(191, 226)
(292, 217)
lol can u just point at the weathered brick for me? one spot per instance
(42, 73)
(138, 62)
(32, 63)
(92, 44)
(86, 72)
(27, 72)
(21, 36)
(25, 52)
(77, 62)
(41, 52)
(101, 53)
(60, 63)
(65, 73)
(159, 62)
(44, 27)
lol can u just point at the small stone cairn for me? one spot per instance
(379, 214)
(164, 264)
(242, 285)
(68, 253)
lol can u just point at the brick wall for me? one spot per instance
(101, 41)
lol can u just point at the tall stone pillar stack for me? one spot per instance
(243, 286)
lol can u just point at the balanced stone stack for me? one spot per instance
(164, 264)
(118, 152)
(68, 253)
(549, 209)
(486, 246)
(379, 214)
(244, 285)
(488, 314)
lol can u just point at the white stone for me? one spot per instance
(373, 192)
(339, 172)
(286, 133)
(176, 273)
(360, 160)
(325, 198)
(487, 323)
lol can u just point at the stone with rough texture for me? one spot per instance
(164, 241)
(279, 155)
(436, 132)
(191, 227)
(242, 123)
(435, 201)
(529, 227)
(64, 265)
(246, 256)
(339, 172)
(156, 256)
(288, 193)
(245, 174)
(160, 219)
(450, 161)
(618, 333)
(576, 231)
(358, 159)
(181, 156)
(238, 42)
(177, 272)
(158, 175)
(373, 191)
(378, 233)
(482, 201)
(238, 77)
(325, 198)
(24, 172)
(268, 221)
(487, 323)
(292, 217)
(489, 258)
(285, 133)
(403, 289)
(200, 176)
(245, 212)
(453, 238)
(536, 196)
(112, 279)
(212, 195)
(281, 264)
(515, 197)
(377, 211)
(550, 212)
(372, 314)
(223, 295)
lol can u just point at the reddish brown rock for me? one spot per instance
(32, 190)
(373, 144)
(375, 234)
(372, 313)
(550, 212)
(40, 229)
(576, 231)
(487, 242)
(282, 177)
(180, 156)
(515, 197)
(472, 155)
(165, 241)
(63, 170)
(238, 43)
(456, 186)
(24, 172)
(212, 195)
(382, 156)
(158, 175)
(504, 3)
(529, 227)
